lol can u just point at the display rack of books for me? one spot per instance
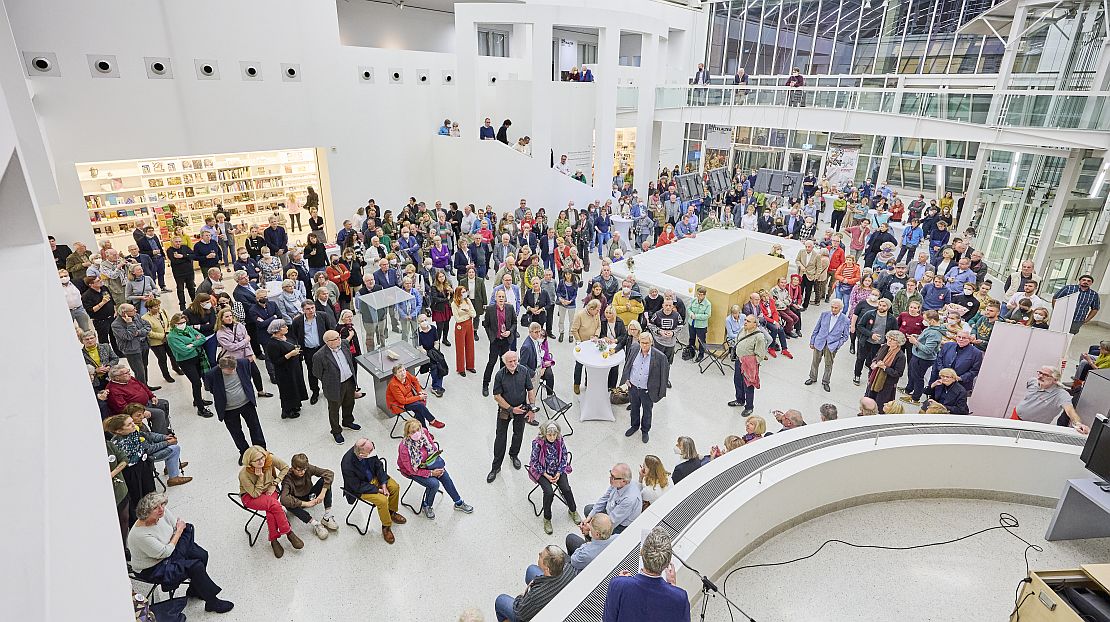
(176, 194)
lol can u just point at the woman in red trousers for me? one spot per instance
(463, 312)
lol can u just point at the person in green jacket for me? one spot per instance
(839, 208)
(187, 346)
(698, 312)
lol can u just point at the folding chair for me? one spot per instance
(439, 491)
(535, 508)
(158, 480)
(553, 404)
(135, 576)
(405, 415)
(236, 498)
(715, 354)
(354, 504)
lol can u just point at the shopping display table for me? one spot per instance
(593, 402)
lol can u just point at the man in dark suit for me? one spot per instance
(235, 401)
(308, 330)
(500, 324)
(645, 374)
(365, 475)
(548, 246)
(793, 223)
(244, 293)
(335, 368)
(701, 76)
(614, 331)
(502, 249)
(531, 356)
(386, 277)
(527, 238)
(151, 246)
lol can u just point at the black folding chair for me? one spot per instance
(439, 491)
(354, 504)
(405, 415)
(158, 480)
(237, 499)
(558, 495)
(135, 576)
(553, 404)
(715, 354)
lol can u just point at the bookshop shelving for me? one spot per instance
(123, 194)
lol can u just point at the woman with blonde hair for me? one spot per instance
(755, 427)
(654, 479)
(419, 459)
(159, 322)
(692, 460)
(549, 466)
(462, 310)
(259, 482)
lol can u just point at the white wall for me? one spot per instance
(375, 25)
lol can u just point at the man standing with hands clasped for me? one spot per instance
(514, 393)
(645, 374)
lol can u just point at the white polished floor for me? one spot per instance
(974, 579)
(438, 568)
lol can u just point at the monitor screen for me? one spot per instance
(1096, 453)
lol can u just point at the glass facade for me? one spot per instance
(829, 37)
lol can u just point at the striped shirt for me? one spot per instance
(1086, 300)
(540, 592)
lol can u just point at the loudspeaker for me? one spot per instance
(38, 64)
(158, 67)
(207, 69)
(290, 72)
(250, 70)
(492, 78)
(102, 66)
(448, 78)
(366, 74)
(396, 76)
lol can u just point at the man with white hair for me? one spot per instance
(830, 332)
(1045, 399)
(335, 367)
(514, 393)
(963, 357)
(365, 475)
(650, 594)
(621, 501)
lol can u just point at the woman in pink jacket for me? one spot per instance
(232, 337)
(420, 459)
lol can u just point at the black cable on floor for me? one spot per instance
(1006, 522)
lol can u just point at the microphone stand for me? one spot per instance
(707, 586)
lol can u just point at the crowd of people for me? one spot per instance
(289, 308)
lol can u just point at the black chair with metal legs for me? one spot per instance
(134, 576)
(399, 418)
(354, 505)
(558, 495)
(555, 408)
(237, 499)
(715, 354)
(439, 491)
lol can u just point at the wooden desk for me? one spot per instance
(1035, 594)
(733, 285)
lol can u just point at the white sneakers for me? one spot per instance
(321, 531)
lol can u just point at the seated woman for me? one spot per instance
(691, 459)
(419, 459)
(143, 418)
(654, 480)
(163, 551)
(946, 391)
(549, 467)
(428, 338)
(405, 393)
(731, 442)
(156, 447)
(755, 427)
(1088, 362)
(259, 481)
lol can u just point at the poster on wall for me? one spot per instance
(840, 166)
(718, 137)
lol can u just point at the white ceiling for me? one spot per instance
(447, 6)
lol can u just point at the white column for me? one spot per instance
(1008, 58)
(605, 125)
(647, 142)
(971, 197)
(1051, 227)
(542, 92)
(467, 80)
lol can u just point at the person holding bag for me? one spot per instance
(549, 466)
(420, 459)
(886, 368)
(751, 349)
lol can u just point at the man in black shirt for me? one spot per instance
(514, 394)
(61, 252)
(181, 266)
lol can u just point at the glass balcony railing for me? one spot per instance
(1024, 109)
(627, 96)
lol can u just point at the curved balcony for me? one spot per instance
(735, 502)
(1062, 119)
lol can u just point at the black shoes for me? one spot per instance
(338, 438)
(471, 370)
(735, 403)
(154, 388)
(515, 461)
(353, 426)
(492, 476)
(810, 381)
(204, 412)
(747, 412)
(644, 436)
(485, 391)
(169, 380)
(314, 398)
(826, 387)
(630, 431)
(206, 402)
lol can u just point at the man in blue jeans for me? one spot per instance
(545, 579)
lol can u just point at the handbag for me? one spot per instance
(618, 396)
